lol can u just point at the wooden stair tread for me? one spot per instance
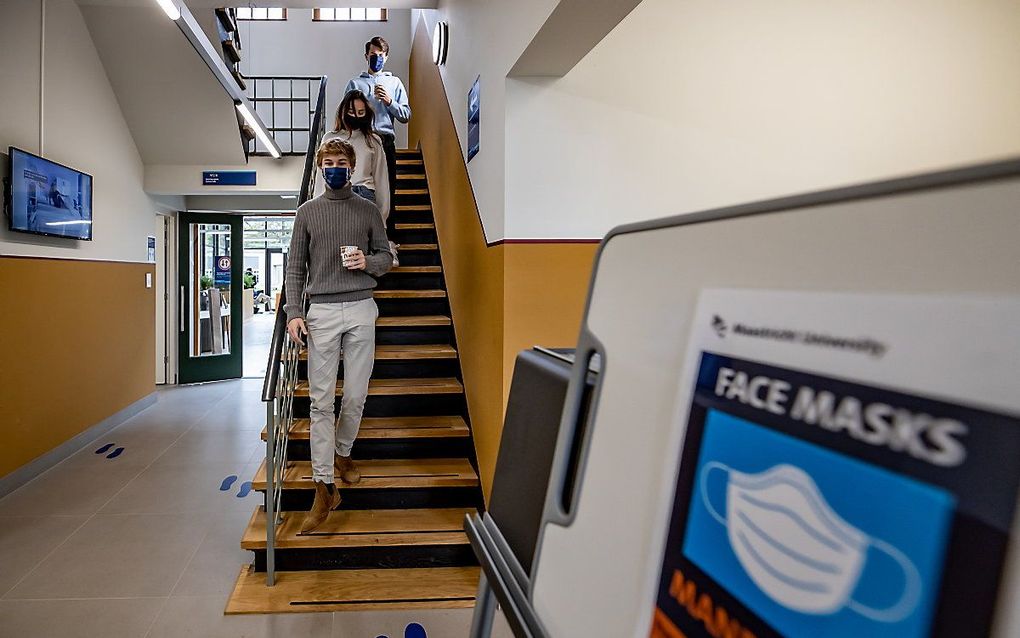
(414, 226)
(354, 590)
(408, 151)
(407, 352)
(417, 247)
(412, 191)
(383, 473)
(411, 176)
(410, 162)
(398, 387)
(400, 427)
(413, 321)
(422, 207)
(362, 528)
(409, 294)
(409, 270)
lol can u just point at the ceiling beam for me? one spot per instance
(571, 32)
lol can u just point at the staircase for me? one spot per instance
(397, 540)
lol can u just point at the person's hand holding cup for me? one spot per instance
(352, 258)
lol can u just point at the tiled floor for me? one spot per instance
(146, 543)
(258, 335)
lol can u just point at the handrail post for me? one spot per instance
(270, 494)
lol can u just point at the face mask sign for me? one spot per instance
(797, 549)
(336, 176)
(376, 62)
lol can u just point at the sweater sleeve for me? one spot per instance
(381, 175)
(399, 108)
(297, 269)
(379, 262)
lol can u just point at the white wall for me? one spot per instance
(82, 124)
(486, 38)
(298, 46)
(740, 101)
(273, 177)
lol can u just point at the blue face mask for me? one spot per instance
(376, 61)
(336, 176)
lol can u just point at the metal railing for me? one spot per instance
(287, 113)
(282, 369)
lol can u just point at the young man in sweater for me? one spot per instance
(339, 247)
(388, 97)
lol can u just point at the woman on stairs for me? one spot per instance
(355, 125)
(337, 251)
(371, 179)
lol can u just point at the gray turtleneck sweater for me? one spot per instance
(322, 225)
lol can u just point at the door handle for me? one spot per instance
(181, 309)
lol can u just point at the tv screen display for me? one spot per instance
(47, 198)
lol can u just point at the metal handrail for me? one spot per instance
(307, 186)
(282, 369)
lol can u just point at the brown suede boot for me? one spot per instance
(327, 498)
(346, 469)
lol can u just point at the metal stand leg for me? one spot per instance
(485, 610)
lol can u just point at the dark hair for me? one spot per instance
(380, 42)
(369, 128)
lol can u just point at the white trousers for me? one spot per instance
(347, 326)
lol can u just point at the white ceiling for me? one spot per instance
(176, 110)
(291, 4)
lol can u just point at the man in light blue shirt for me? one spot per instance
(389, 100)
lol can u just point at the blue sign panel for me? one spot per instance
(817, 543)
(228, 178)
(811, 506)
(222, 277)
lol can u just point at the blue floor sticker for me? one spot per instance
(104, 449)
(115, 453)
(245, 489)
(227, 482)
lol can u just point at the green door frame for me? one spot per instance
(210, 368)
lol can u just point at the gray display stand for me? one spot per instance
(600, 542)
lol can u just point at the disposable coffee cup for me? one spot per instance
(345, 255)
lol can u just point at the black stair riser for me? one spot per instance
(411, 281)
(413, 307)
(426, 236)
(414, 336)
(401, 405)
(411, 200)
(401, 368)
(438, 448)
(387, 498)
(411, 216)
(417, 258)
(369, 557)
(404, 182)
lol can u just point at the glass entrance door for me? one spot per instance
(211, 263)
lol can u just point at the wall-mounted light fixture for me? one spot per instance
(172, 10)
(440, 42)
(260, 131)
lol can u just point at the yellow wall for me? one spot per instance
(545, 287)
(503, 298)
(78, 346)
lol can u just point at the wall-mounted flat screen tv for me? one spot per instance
(47, 198)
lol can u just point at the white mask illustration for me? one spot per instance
(796, 549)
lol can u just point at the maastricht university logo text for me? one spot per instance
(864, 345)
